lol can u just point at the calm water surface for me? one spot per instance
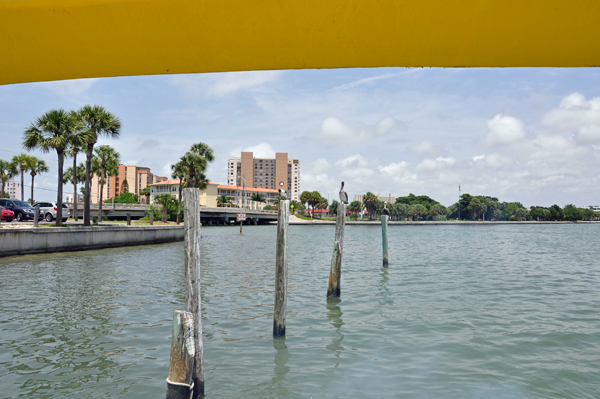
(463, 312)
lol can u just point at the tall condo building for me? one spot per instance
(273, 173)
(137, 178)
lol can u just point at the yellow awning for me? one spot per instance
(65, 39)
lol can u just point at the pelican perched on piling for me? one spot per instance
(343, 195)
(282, 193)
(385, 211)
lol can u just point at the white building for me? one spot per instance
(13, 188)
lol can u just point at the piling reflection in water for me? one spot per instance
(334, 314)
(282, 356)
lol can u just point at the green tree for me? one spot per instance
(97, 122)
(268, 208)
(196, 161)
(179, 171)
(419, 211)
(165, 200)
(556, 213)
(125, 187)
(7, 171)
(22, 162)
(124, 198)
(77, 144)
(222, 200)
(35, 167)
(370, 203)
(107, 159)
(333, 207)
(355, 207)
(53, 130)
(258, 197)
(296, 206)
(571, 212)
(521, 214)
(438, 210)
(146, 193)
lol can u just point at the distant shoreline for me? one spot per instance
(317, 222)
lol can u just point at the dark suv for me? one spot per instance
(22, 209)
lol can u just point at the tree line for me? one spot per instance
(469, 207)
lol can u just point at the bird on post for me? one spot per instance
(343, 195)
(282, 193)
(385, 211)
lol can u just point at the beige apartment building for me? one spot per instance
(209, 196)
(269, 173)
(137, 177)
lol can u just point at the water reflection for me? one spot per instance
(282, 356)
(383, 292)
(334, 314)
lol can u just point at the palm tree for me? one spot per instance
(258, 197)
(77, 144)
(97, 121)
(22, 162)
(107, 159)
(164, 199)
(145, 192)
(196, 161)
(222, 200)
(179, 172)
(36, 166)
(53, 130)
(7, 171)
(370, 203)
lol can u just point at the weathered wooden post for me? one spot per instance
(335, 273)
(191, 223)
(36, 216)
(180, 384)
(151, 216)
(128, 218)
(384, 238)
(281, 272)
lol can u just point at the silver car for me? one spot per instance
(48, 209)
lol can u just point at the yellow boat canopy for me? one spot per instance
(42, 40)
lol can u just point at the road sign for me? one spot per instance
(241, 217)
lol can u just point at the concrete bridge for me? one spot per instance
(209, 216)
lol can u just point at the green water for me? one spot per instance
(463, 312)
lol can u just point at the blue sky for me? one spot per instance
(520, 134)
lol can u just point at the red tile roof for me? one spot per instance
(172, 182)
(260, 189)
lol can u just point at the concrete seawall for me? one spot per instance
(44, 240)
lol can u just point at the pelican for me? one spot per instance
(282, 193)
(385, 211)
(343, 195)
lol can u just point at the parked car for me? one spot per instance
(22, 210)
(48, 210)
(6, 214)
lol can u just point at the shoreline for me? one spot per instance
(297, 221)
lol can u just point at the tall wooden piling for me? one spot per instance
(180, 383)
(281, 272)
(36, 216)
(384, 238)
(128, 218)
(151, 216)
(191, 223)
(335, 272)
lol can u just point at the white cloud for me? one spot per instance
(220, 84)
(478, 158)
(262, 150)
(589, 134)
(68, 88)
(166, 170)
(448, 160)
(336, 132)
(504, 130)
(393, 169)
(574, 112)
(425, 147)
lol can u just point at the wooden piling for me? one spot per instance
(36, 216)
(180, 382)
(128, 219)
(281, 273)
(335, 272)
(384, 238)
(191, 223)
(151, 216)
